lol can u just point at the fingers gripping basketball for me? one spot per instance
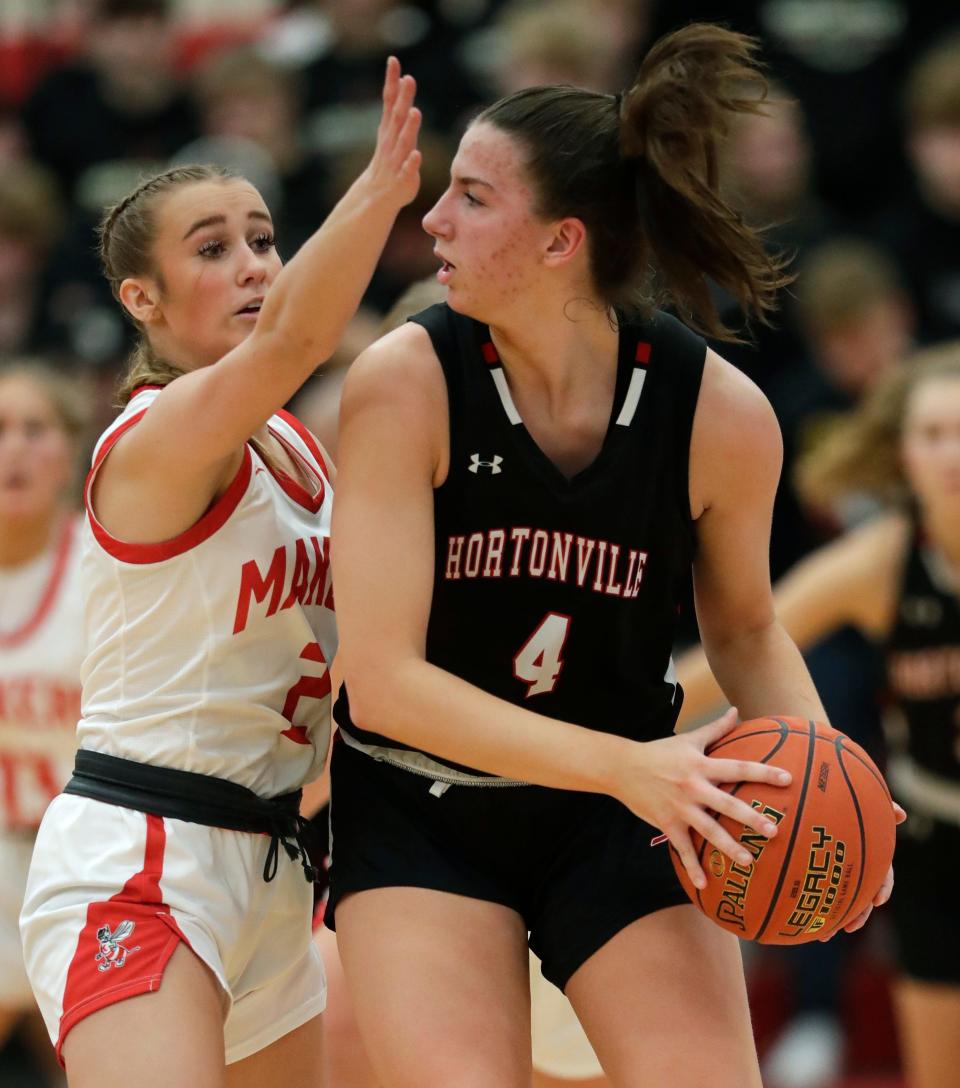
(834, 843)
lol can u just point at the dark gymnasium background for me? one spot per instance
(855, 168)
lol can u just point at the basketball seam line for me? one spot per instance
(794, 831)
(867, 765)
(782, 733)
(863, 834)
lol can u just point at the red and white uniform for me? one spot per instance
(207, 653)
(41, 650)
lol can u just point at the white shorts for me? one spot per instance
(560, 1046)
(112, 891)
(15, 851)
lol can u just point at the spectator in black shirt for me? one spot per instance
(924, 233)
(121, 99)
(30, 222)
(242, 95)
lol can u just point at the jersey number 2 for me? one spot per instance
(538, 662)
(307, 687)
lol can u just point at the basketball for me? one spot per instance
(833, 846)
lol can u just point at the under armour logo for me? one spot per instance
(476, 464)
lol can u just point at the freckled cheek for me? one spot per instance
(511, 266)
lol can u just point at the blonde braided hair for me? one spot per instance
(125, 245)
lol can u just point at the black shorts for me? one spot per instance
(577, 867)
(925, 896)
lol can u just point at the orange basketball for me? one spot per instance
(833, 846)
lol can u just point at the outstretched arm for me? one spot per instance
(189, 442)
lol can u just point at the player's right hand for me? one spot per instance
(393, 172)
(672, 784)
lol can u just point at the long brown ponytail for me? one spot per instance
(640, 169)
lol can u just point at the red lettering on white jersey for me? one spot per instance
(307, 580)
(40, 665)
(209, 652)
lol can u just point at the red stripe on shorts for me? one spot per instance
(125, 943)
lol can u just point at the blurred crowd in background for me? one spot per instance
(853, 168)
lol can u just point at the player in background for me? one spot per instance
(526, 475)
(166, 922)
(896, 579)
(42, 421)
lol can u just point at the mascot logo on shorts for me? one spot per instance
(113, 952)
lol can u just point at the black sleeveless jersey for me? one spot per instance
(923, 665)
(557, 594)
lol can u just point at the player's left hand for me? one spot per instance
(394, 170)
(886, 888)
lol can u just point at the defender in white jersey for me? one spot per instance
(40, 634)
(166, 935)
(227, 676)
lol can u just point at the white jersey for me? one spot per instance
(41, 651)
(208, 652)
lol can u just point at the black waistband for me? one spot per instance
(198, 799)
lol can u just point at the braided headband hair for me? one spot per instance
(126, 236)
(136, 245)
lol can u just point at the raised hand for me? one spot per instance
(394, 170)
(675, 786)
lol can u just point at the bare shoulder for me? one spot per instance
(736, 437)
(731, 406)
(401, 366)
(395, 396)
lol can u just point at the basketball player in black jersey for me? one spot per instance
(527, 473)
(897, 579)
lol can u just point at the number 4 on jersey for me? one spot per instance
(538, 661)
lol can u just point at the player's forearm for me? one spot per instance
(702, 695)
(437, 712)
(319, 290)
(762, 672)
